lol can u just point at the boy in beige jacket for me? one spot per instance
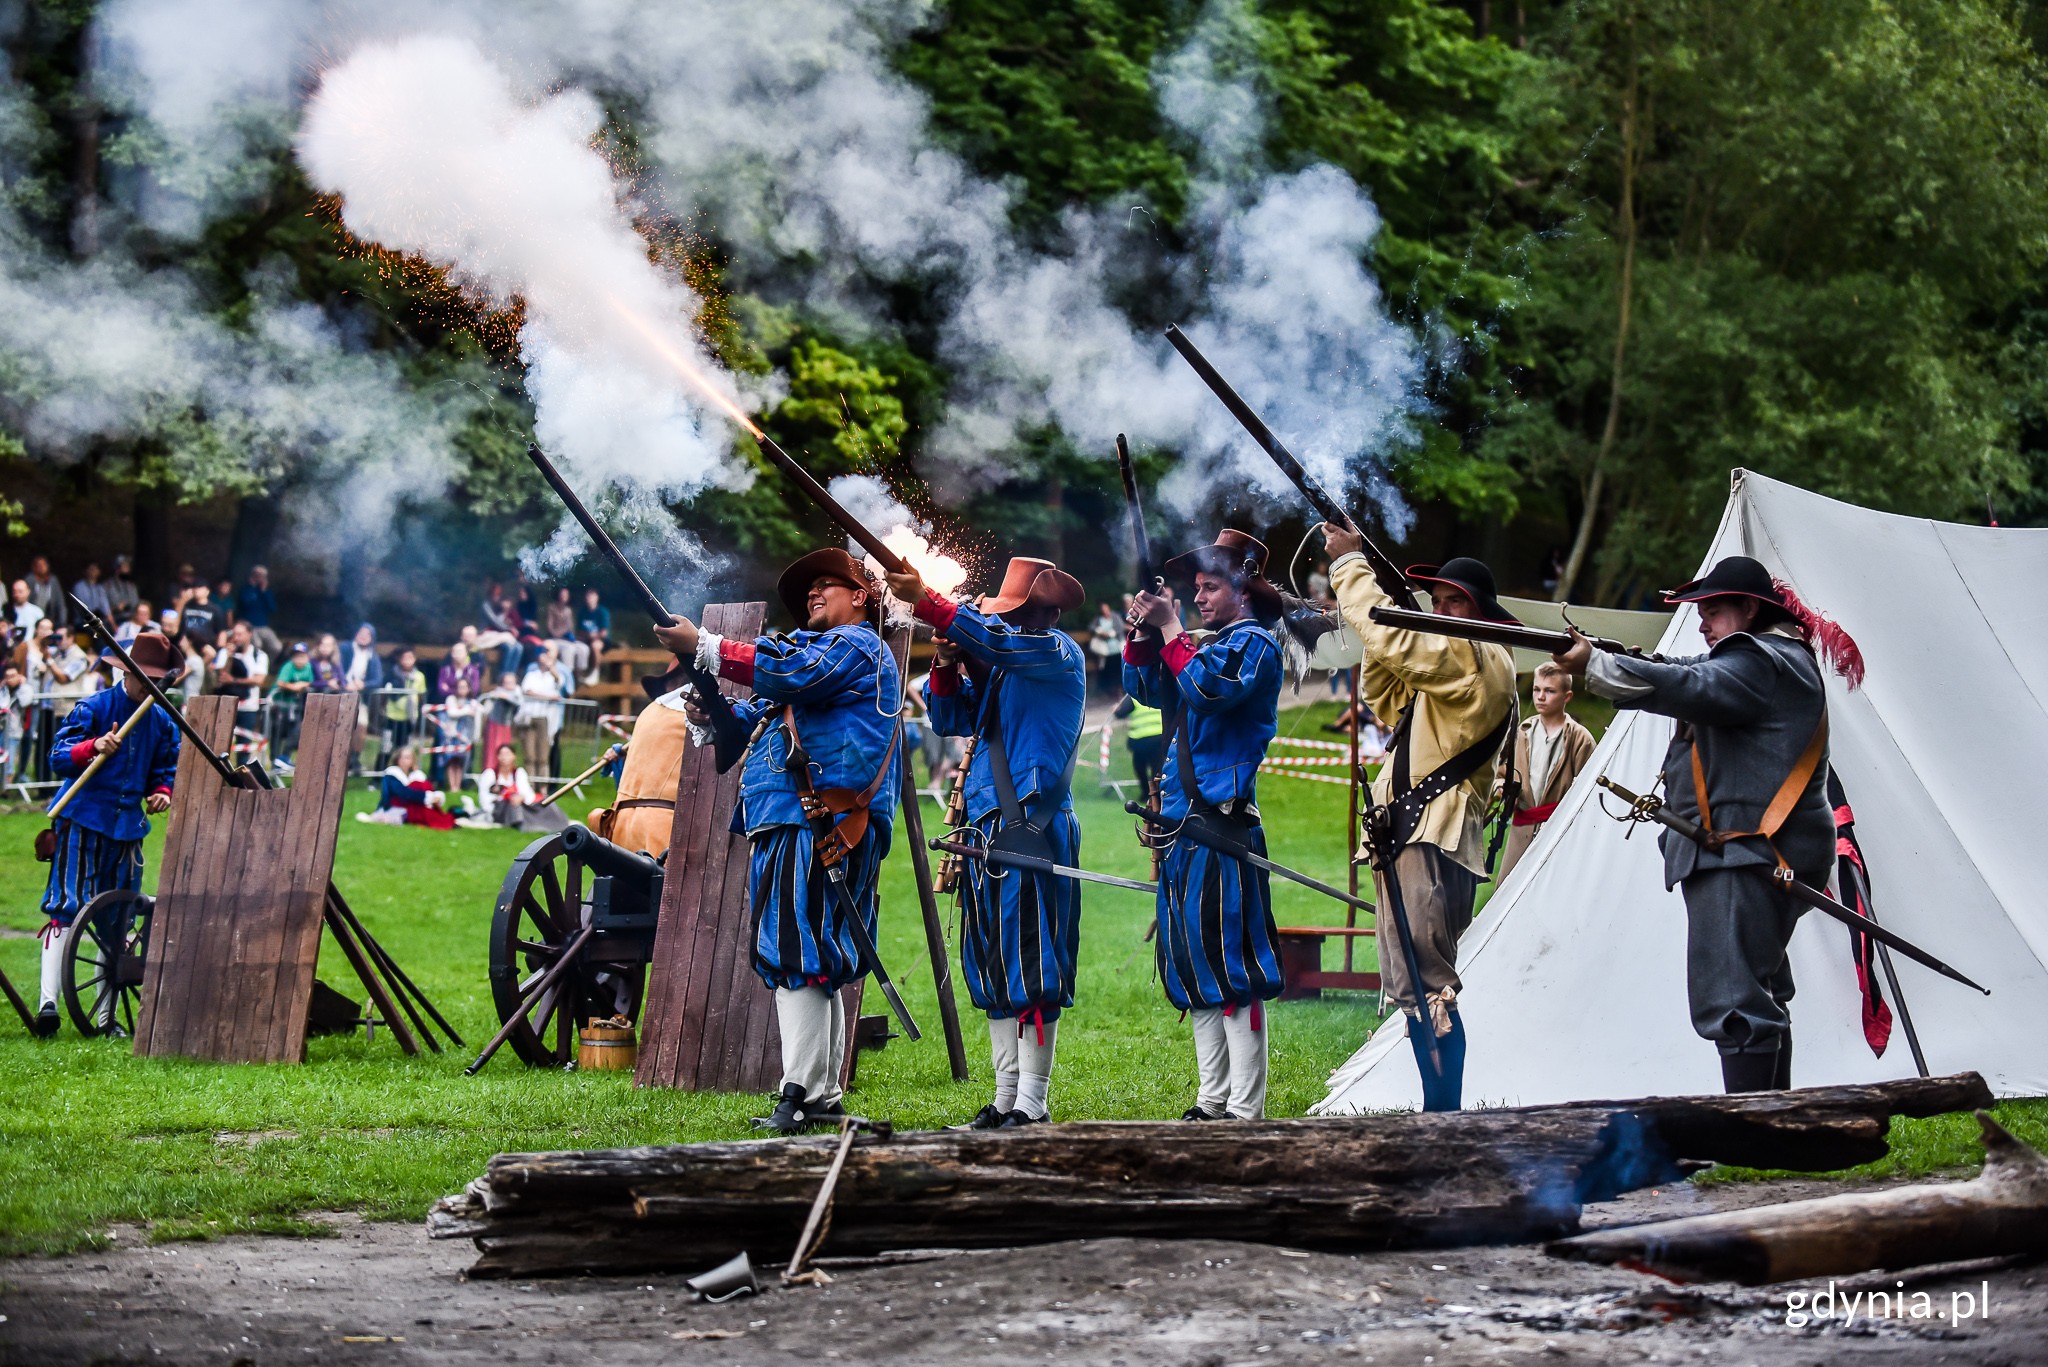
(1550, 750)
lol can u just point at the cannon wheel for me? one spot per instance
(540, 909)
(103, 963)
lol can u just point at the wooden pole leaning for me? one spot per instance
(927, 893)
(100, 759)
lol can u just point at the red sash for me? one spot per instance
(1535, 816)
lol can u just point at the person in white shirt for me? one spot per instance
(244, 672)
(508, 798)
(24, 613)
(540, 711)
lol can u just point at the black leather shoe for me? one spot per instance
(47, 1022)
(1017, 1120)
(1197, 1113)
(791, 1113)
(987, 1118)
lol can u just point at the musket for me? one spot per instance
(1034, 864)
(1499, 633)
(1202, 833)
(728, 736)
(1392, 581)
(816, 492)
(1653, 809)
(349, 933)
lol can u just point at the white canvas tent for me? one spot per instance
(1574, 973)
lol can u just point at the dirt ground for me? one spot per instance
(381, 1293)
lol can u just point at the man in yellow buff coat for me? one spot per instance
(1454, 697)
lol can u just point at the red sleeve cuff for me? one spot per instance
(945, 680)
(163, 788)
(736, 661)
(936, 610)
(1141, 652)
(81, 754)
(1176, 653)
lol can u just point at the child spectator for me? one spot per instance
(406, 690)
(288, 701)
(199, 617)
(509, 799)
(456, 720)
(1550, 750)
(326, 662)
(458, 668)
(540, 711)
(594, 625)
(405, 798)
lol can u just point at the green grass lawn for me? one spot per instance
(91, 1136)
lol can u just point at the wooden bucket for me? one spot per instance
(605, 1046)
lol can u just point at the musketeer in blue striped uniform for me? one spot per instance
(1004, 673)
(1217, 948)
(830, 693)
(98, 839)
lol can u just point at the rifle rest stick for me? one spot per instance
(98, 760)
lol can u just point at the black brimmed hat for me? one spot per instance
(833, 563)
(1737, 576)
(1239, 555)
(1472, 578)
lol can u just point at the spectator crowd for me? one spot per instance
(502, 682)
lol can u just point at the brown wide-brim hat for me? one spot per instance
(1233, 553)
(154, 655)
(1028, 580)
(833, 562)
(1473, 579)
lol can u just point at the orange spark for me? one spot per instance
(684, 366)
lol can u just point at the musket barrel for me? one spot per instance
(1500, 633)
(599, 537)
(872, 544)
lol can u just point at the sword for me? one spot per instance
(1036, 865)
(1653, 809)
(1201, 835)
(835, 874)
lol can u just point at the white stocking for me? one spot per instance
(1002, 1052)
(1247, 1061)
(1034, 1068)
(1212, 1061)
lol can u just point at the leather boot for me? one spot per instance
(1782, 1079)
(1441, 1091)
(1749, 1072)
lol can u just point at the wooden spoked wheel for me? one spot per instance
(540, 908)
(103, 963)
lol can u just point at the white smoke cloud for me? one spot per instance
(783, 130)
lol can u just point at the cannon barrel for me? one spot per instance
(593, 851)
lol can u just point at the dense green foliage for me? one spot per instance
(1825, 226)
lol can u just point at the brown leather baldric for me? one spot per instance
(848, 805)
(1781, 805)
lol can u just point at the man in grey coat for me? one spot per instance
(1748, 762)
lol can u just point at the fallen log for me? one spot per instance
(2001, 1212)
(1343, 1183)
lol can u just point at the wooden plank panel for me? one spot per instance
(204, 931)
(696, 804)
(686, 1016)
(319, 784)
(757, 1065)
(163, 979)
(241, 904)
(719, 1001)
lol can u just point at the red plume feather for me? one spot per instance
(1834, 646)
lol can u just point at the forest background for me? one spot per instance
(1640, 245)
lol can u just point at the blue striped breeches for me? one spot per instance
(1217, 944)
(88, 864)
(800, 936)
(1020, 932)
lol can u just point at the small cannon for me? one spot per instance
(570, 940)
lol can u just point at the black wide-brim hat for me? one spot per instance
(832, 562)
(1238, 555)
(1737, 576)
(1473, 579)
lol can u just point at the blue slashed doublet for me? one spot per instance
(1020, 931)
(844, 691)
(1217, 945)
(99, 837)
